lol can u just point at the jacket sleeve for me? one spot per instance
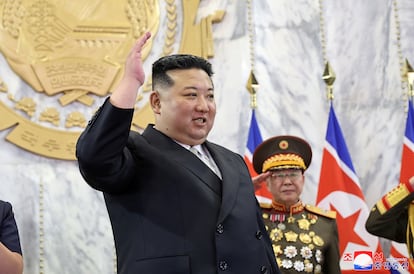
(389, 216)
(104, 160)
(9, 234)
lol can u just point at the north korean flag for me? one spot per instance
(339, 190)
(253, 140)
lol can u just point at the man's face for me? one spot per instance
(286, 185)
(186, 110)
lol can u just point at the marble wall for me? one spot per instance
(63, 223)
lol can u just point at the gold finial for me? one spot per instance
(252, 86)
(408, 75)
(329, 78)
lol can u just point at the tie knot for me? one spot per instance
(205, 158)
(195, 151)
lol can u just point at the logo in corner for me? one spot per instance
(363, 260)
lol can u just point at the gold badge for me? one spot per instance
(304, 224)
(291, 236)
(305, 238)
(72, 55)
(318, 240)
(276, 235)
(277, 249)
(283, 144)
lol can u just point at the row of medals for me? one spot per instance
(310, 239)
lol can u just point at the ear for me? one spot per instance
(155, 102)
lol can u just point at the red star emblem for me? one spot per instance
(346, 230)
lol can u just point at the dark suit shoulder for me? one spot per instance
(321, 212)
(5, 208)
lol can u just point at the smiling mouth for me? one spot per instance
(201, 120)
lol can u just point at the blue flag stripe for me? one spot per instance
(409, 129)
(335, 138)
(254, 138)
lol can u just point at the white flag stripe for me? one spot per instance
(248, 154)
(408, 143)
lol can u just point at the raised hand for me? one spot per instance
(125, 94)
(133, 64)
(259, 180)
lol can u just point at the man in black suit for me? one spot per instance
(11, 260)
(173, 210)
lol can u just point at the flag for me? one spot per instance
(339, 190)
(407, 161)
(398, 251)
(253, 140)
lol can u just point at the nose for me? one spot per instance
(287, 180)
(202, 104)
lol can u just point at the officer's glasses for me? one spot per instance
(281, 176)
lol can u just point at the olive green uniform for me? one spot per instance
(392, 217)
(304, 238)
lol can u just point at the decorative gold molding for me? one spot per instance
(33, 137)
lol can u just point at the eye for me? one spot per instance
(192, 94)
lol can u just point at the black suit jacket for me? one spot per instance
(9, 234)
(169, 212)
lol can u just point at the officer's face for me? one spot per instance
(286, 185)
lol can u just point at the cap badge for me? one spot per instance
(283, 144)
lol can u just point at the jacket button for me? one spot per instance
(259, 234)
(223, 265)
(220, 228)
(263, 270)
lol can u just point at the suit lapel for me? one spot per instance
(229, 167)
(175, 152)
(230, 171)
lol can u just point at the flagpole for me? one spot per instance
(328, 73)
(252, 85)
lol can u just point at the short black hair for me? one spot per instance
(177, 61)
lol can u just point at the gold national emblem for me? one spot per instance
(70, 55)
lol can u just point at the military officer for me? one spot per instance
(392, 217)
(304, 237)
